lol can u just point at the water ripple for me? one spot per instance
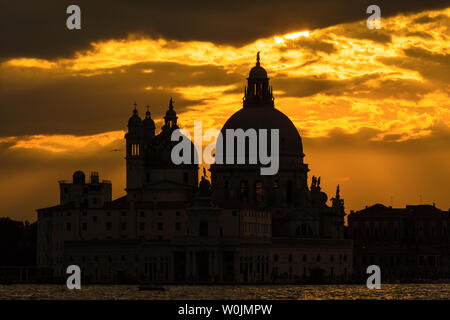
(238, 292)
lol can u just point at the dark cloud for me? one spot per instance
(394, 137)
(380, 88)
(37, 28)
(48, 102)
(368, 138)
(430, 65)
(313, 45)
(419, 34)
(428, 19)
(406, 89)
(421, 53)
(375, 35)
(304, 86)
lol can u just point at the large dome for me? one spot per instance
(268, 118)
(254, 175)
(259, 112)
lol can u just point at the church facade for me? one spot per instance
(240, 227)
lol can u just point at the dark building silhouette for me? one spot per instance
(17, 243)
(240, 227)
(409, 244)
(17, 251)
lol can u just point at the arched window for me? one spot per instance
(303, 229)
(289, 191)
(259, 191)
(203, 229)
(243, 191)
(135, 149)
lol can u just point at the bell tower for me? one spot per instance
(134, 154)
(170, 119)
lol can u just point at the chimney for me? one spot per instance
(94, 177)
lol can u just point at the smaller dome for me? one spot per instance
(148, 121)
(134, 120)
(171, 113)
(79, 177)
(258, 72)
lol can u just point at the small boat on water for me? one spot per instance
(150, 287)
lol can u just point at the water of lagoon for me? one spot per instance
(247, 292)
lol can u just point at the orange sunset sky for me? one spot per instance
(372, 106)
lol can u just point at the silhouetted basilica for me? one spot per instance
(241, 227)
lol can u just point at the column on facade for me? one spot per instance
(210, 268)
(220, 264)
(194, 265)
(215, 272)
(188, 265)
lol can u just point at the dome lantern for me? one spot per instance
(170, 119)
(258, 93)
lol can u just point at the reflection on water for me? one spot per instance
(333, 292)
